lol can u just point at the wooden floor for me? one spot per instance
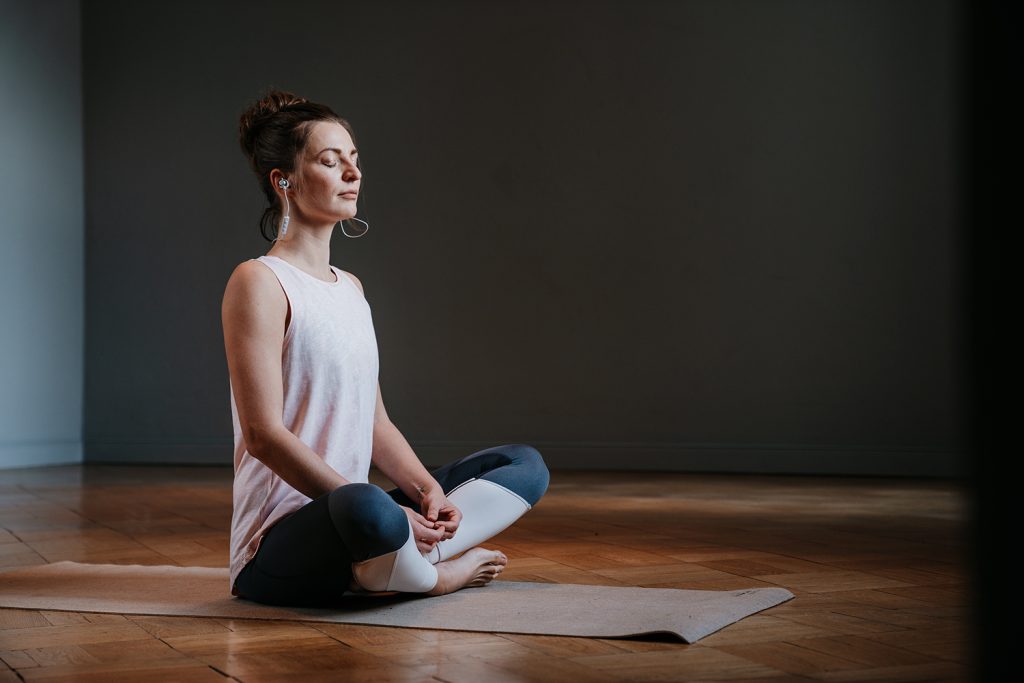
(877, 567)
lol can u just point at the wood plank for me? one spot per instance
(561, 646)
(792, 658)
(542, 668)
(937, 672)
(126, 672)
(832, 580)
(20, 618)
(17, 659)
(170, 627)
(763, 628)
(872, 653)
(270, 636)
(693, 662)
(77, 634)
(680, 575)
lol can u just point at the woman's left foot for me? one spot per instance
(475, 567)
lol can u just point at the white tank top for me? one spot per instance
(329, 366)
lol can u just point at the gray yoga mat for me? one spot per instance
(502, 606)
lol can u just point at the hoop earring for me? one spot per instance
(366, 227)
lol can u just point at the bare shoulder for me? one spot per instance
(358, 283)
(253, 282)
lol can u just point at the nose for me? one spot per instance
(352, 172)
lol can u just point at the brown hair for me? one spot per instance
(272, 133)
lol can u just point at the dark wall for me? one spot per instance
(686, 235)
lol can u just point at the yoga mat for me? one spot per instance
(502, 606)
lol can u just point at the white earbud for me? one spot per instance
(284, 185)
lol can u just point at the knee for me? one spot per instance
(533, 472)
(368, 519)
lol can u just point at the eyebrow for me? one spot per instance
(335, 149)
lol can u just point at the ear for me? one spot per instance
(276, 176)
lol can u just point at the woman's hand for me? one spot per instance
(436, 508)
(426, 533)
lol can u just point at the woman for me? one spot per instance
(308, 413)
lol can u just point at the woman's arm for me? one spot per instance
(253, 314)
(393, 456)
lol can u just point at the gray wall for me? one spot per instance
(687, 235)
(41, 224)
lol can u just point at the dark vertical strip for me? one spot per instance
(993, 118)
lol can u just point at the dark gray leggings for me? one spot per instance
(306, 558)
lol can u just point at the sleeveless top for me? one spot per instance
(329, 367)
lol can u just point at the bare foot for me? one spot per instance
(475, 567)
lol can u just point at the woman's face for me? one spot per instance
(328, 179)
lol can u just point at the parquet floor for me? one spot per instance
(876, 565)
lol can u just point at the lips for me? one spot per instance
(349, 195)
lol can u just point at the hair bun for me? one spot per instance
(260, 113)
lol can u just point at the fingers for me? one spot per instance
(431, 501)
(427, 531)
(427, 524)
(425, 534)
(448, 528)
(416, 517)
(450, 517)
(432, 512)
(421, 520)
(430, 534)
